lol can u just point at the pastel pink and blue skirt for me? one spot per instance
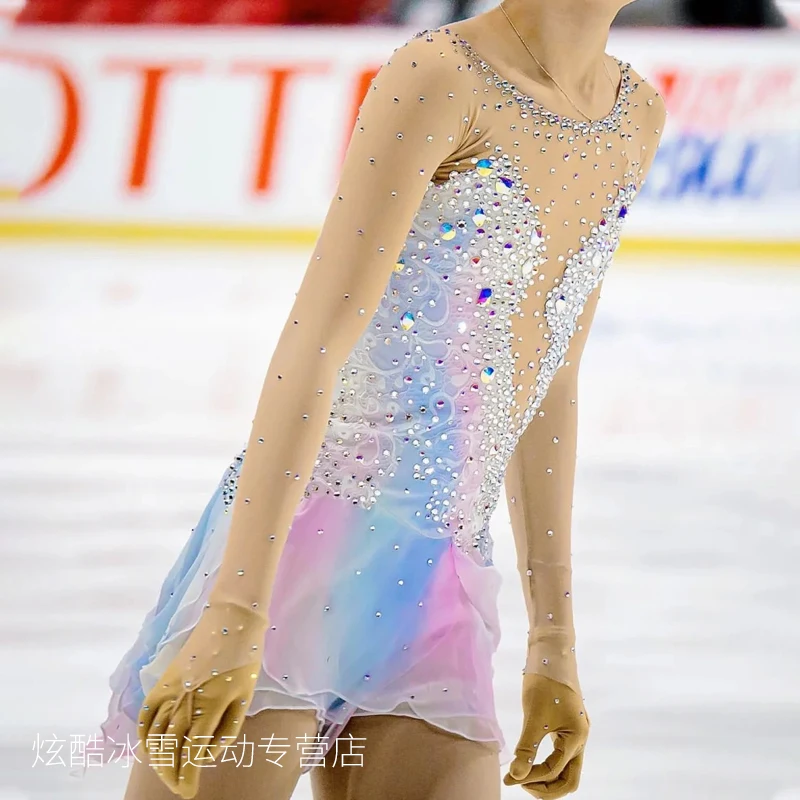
(368, 616)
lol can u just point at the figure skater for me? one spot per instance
(339, 590)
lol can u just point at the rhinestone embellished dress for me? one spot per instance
(494, 221)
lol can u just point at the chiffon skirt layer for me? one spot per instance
(369, 616)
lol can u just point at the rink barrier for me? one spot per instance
(237, 136)
(747, 251)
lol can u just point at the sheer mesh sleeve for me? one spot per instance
(539, 489)
(410, 122)
(540, 477)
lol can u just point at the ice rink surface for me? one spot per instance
(128, 378)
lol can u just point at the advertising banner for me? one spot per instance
(237, 135)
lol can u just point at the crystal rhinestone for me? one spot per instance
(484, 296)
(429, 406)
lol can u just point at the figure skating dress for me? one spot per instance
(498, 220)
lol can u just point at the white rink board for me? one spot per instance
(128, 379)
(247, 128)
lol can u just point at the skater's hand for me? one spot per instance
(199, 703)
(549, 708)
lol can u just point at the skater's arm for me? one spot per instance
(541, 473)
(539, 484)
(411, 121)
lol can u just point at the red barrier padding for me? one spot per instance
(180, 12)
(199, 12)
(109, 12)
(326, 12)
(48, 12)
(253, 12)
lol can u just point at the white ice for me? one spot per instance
(128, 378)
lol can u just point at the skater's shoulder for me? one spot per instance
(427, 70)
(434, 53)
(645, 98)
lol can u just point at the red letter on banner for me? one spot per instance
(277, 80)
(152, 80)
(667, 81)
(70, 115)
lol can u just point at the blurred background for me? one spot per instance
(684, 13)
(164, 168)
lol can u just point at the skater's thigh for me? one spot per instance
(407, 759)
(243, 777)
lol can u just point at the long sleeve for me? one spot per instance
(413, 120)
(410, 122)
(540, 478)
(539, 486)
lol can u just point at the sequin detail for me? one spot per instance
(230, 480)
(429, 406)
(424, 416)
(529, 107)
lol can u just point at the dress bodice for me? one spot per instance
(512, 237)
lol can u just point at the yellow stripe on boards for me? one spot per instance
(734, 250)
(156, 233)
(632, 247)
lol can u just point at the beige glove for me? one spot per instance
(200, 701)
(549, 708)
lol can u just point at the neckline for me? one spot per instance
(610, 122)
